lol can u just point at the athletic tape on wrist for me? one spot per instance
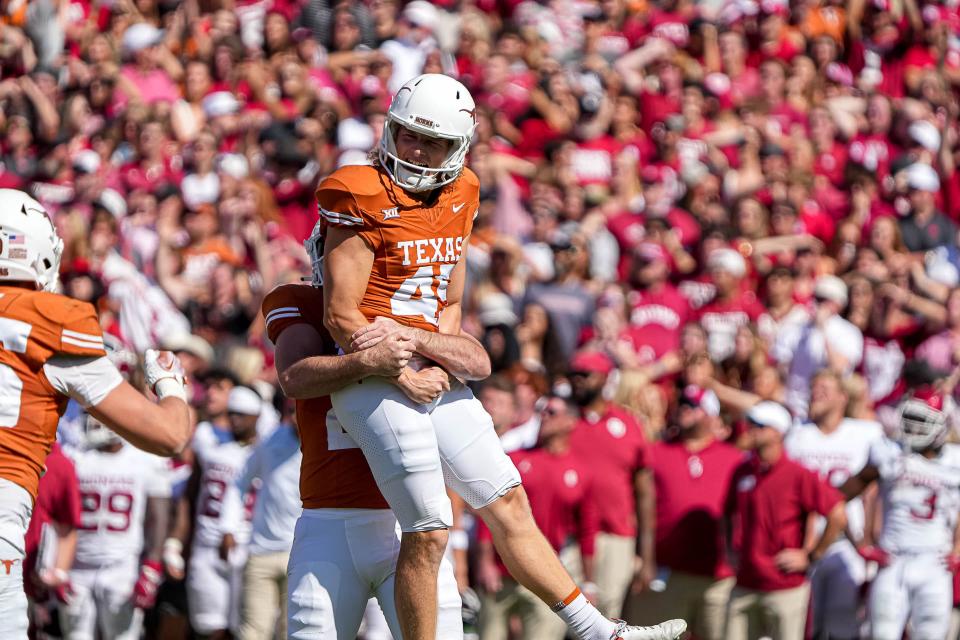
(169, 387)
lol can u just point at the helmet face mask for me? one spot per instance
(30, 248)
(97, 435)
(432, 105)
(314, 248)
(922, 424)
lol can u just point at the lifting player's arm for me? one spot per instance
(305, 372)
(459, 353)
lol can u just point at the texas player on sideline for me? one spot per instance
(396, 233)
(919, 546)
(51, 349)
(345, 544)
(124, 496)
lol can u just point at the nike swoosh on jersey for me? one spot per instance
(457, 207)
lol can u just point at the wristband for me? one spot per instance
(170, 388)
(459, 539)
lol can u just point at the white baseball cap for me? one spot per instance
(925, 134)
(728, 260)
(244, 401)
(831, 288)
(770, 414)
(922, 177)
(140, 36)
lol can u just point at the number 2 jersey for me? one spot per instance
(416, 245)
(920, 497)
(114, 488)
(220, 467)
(333, 474)
(51, 349)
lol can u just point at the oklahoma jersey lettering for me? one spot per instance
(114, 488)
(920, 497)
(333, 474)
(416, 246)
(35, 327)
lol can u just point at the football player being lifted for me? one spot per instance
(394, 241)
(51, 349)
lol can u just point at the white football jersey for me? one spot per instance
(220, 466)
(114, 488)
(920, 498)
(836, 456)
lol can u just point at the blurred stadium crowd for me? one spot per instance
(683, 203)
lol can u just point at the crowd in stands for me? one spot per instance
(682, 202)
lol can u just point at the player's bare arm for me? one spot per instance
(347, 263)
(305, 372)
(855, 485)
(163, 428)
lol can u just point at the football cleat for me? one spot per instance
(669, 630)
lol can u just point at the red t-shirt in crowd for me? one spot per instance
(58, 500)
(691, 491)
(656, 319)
(770, 506)
(614, 445)
(562, 497)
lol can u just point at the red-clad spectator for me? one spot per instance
(607, 437)
(658, 311)
(51, 538)
(560, 486)
(770, 501)
(733, 306)
(682, 495)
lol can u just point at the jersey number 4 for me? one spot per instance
(13, 338)
(422, 293)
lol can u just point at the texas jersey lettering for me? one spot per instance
(36, 327)
(416, 245)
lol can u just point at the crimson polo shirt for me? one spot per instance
(691, 491)
(770, 506)
(563, 498)
(614, 447)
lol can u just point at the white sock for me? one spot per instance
(584, 618)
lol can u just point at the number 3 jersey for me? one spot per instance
(220, 467)
(114, 488)
(43, 337)
(920, 498)
(416, 245)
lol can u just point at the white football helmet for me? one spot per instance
(314, 247)
(438, 106)
(922, 420)
(30, 248)
(97, 435)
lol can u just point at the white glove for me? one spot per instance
(164, 374)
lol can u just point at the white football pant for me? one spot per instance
(413, 450)
(340, 559)
(915, 587)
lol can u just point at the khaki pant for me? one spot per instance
(613, 571)
(539, 622)
(263, 608)
(700, 600)
(777, 614)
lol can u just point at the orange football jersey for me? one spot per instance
(416, 245)
(34, 326)
(334, 473)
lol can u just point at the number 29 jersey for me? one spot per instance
(416, 245)
(920, 498)
(114, 488)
